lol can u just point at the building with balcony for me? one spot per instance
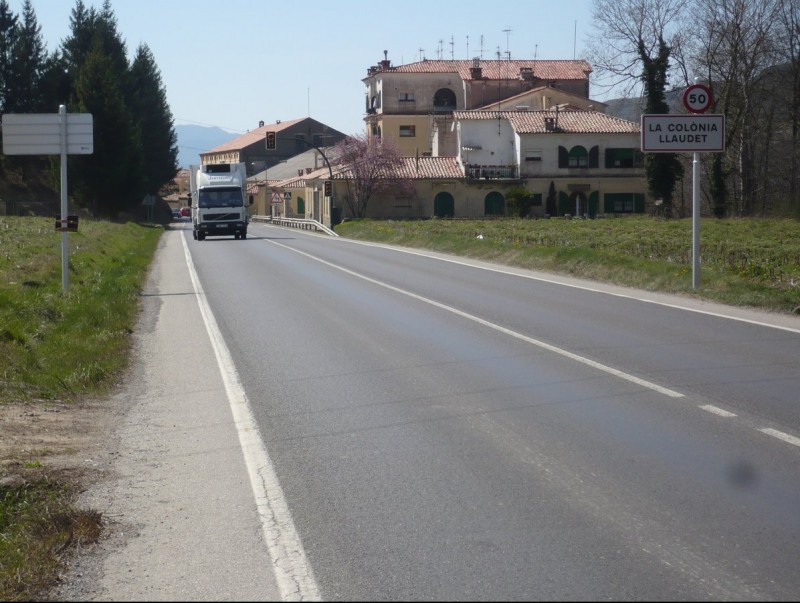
(413, 104)
(575, 162)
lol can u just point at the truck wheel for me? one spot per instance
(244, 235)
(194, 234)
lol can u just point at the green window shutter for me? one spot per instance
(594, 203)
(563, 203)
(563, 157)
(594, 157)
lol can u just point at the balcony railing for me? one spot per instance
(492, 172)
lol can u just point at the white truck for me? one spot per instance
(218, 200)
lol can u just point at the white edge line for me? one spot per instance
(574, 286)
(292, 570)
(496, 327)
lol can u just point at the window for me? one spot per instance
(406, 97)
(578, 157)
(624, 203)
(408, 131)
(444, 100)
(623, 158)
(533, 154)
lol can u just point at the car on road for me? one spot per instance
(186, 212)
(176, 214)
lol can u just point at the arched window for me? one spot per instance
(494, 204)
(444, 100)
(578, 157)
(444, 205)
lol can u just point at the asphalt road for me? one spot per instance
(317, 418)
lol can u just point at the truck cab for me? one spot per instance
(218, 194)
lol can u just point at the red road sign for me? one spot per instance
(697, 98)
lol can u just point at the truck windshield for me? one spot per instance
(221, 197)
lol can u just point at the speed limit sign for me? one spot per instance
(697, 98)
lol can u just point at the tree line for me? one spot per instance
(748, 53)
(135, 144)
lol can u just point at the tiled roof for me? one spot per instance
(414, 168)
(252, 136)
(534, 91)
(426, 168)
(569, 121)
(501, 70)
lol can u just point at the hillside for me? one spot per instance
(193, 140)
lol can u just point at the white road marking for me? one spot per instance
(781, 436)
(496, 327)
(717, 411)
(293, 572)
(555, 281)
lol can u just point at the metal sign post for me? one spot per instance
(61, 134)
(696, 133)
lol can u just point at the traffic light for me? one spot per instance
(329, 188)
(270, 141)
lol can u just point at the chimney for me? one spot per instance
(475, 72)
(261, 123)
(309, 170)
(385, 63)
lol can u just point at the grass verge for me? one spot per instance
(57, 346)
(744, 262)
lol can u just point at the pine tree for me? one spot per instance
(110, 179)
(23, 92)
(8, 34)
(153, 117)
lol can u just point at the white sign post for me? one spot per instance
(59, 133)
(680, 133)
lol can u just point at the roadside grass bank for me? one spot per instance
(744, 262)
(57, 347)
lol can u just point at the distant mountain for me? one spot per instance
(632, 108)
(193, 140)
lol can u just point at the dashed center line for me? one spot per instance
(790, 439)
(717, 411)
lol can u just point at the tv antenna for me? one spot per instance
(507, 32)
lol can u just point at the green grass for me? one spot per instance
(56, 345)
(59, 345)
(743, 262)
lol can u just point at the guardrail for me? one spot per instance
(302, 223)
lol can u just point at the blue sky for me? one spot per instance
(232, 63)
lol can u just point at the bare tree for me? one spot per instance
(373, 167)
(633, 52)
(788, 54)
(734, 47)
(625, 31)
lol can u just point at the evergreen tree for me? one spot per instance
(55, 83)
(8, 34)
(23, 92)
(110, 179)
(153, 118)
(663, 169)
